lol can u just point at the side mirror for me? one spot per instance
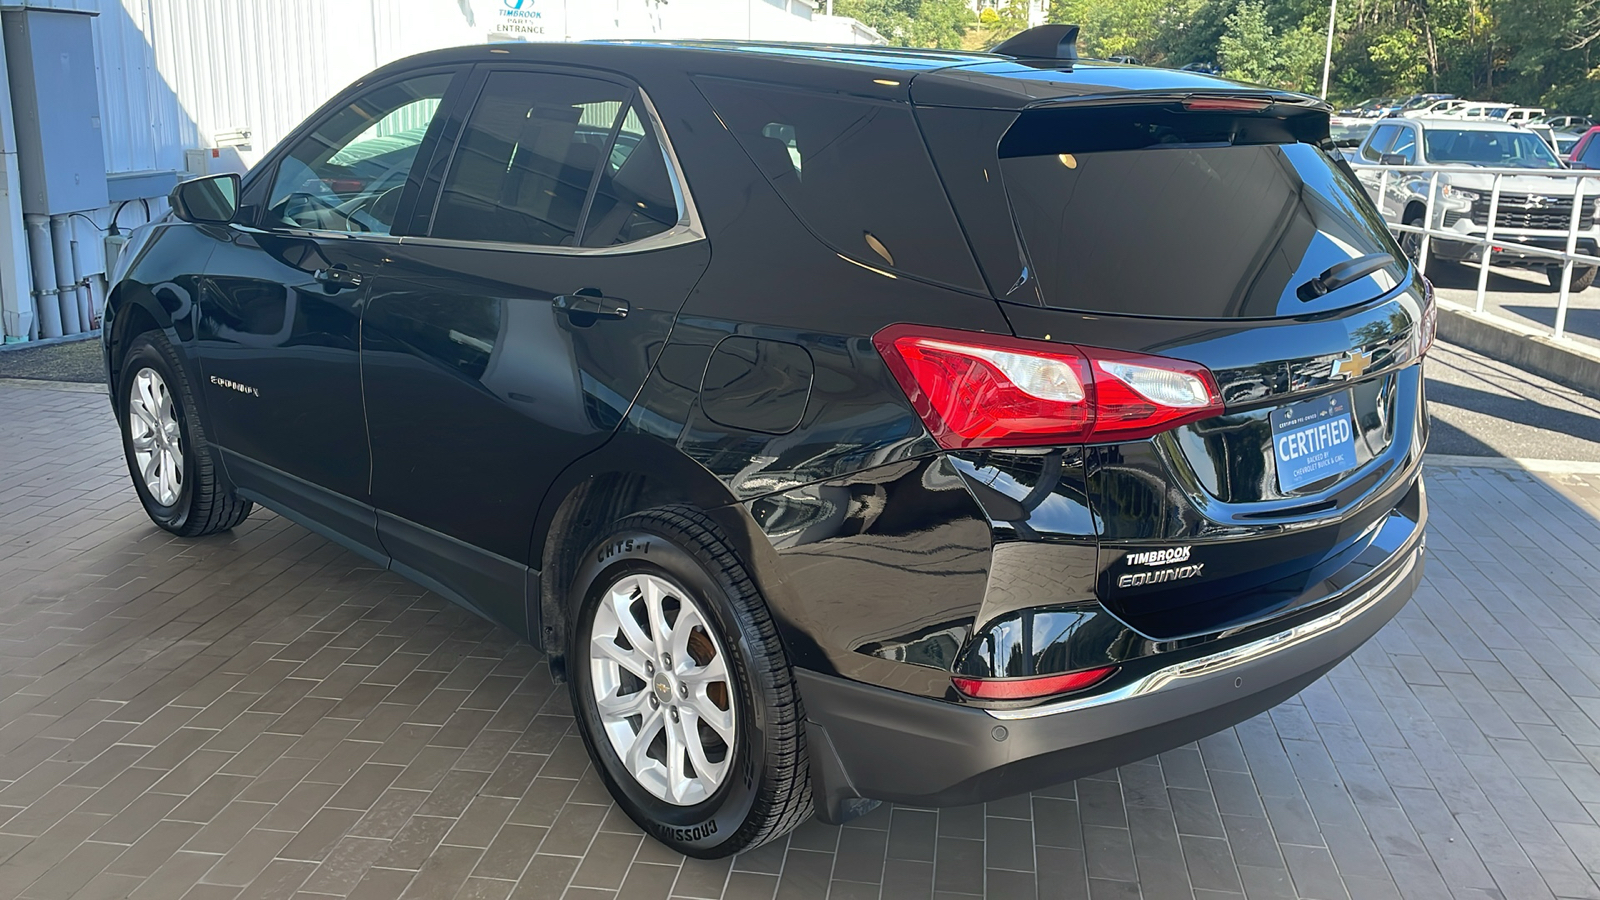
(1389, 159)
(213, 200)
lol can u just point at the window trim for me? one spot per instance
(688, 229)
(262, 180)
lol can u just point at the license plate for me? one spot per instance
(1313, 440)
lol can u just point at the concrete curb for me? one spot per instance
(1568, 362)
(1542, 466)
(77, 387)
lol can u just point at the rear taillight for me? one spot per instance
(980, 390)
(1031, 687)
(1429, 326)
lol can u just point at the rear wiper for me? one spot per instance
(1340, 274)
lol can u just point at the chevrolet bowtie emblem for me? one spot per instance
(1351, 365)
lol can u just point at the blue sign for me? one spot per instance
(1313, 440)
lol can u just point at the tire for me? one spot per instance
(747, 790)
(1581, 277)
(1410, 242)
(156, 415)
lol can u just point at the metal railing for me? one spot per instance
(1578, 224)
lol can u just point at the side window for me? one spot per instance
(530, 151)
(634, 198)
(1591, 153)
(348, 174)
(855, 171)
(1405, 145)
(1382, 136)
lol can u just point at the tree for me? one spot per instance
(913, 23)
(1252, 50)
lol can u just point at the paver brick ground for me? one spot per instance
(264, 715)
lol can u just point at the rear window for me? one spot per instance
(1159, 212)
(855, 171)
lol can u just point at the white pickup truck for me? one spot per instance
(1535, 208)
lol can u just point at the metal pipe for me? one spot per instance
(1427, 224)
(1566, 265)
(1488, 237)
(19, 319)
(66, 295)
(46, 301)
(86, 311)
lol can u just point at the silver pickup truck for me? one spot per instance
(1535, 209)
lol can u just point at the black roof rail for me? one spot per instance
(1042, 42)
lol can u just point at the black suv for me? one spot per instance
(846, 425)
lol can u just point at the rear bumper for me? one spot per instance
(868, 742)
(1457, 250)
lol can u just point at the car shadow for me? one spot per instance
(1516, 410)
(1584, 322)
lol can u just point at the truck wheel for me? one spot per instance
(682, 689)
(165, 444)
(1582, 277)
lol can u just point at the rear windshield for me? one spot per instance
(1500, 149)
(1166, 213)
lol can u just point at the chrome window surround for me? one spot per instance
(688, 229)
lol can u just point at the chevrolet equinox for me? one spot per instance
(845, 425)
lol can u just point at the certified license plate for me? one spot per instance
(1313, 440)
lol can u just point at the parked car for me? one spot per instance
(1566, 123)
(1524, 115)
(1534, 210)
(1348, 133)
(834, 440)
(1566, 142)
(1418, 102)
(1366, 108)
(1482, 111)
(1436, 108)
(1585, 154)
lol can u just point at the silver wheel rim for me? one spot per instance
(661, 685)
(157, 440)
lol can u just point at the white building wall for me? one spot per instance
(177, 75)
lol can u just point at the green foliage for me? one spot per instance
(1535, 52)
(913, 23)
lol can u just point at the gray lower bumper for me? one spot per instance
(868, 742)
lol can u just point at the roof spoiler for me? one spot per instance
(1042, 42)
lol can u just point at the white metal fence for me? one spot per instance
(1396, 192)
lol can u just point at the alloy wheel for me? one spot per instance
(662, 687)
(156, 436)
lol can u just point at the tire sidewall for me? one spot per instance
(701, 829)
(146, 354)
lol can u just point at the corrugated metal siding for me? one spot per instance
(174, 74)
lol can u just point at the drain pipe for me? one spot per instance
(66, 293)
(46, 299)
(18, 318)
(87, 313)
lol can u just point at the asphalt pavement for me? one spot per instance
(1520, 295)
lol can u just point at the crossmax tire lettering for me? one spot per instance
(766, 791)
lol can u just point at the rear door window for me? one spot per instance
(528, 157)
(855, 171)
(1158, 212)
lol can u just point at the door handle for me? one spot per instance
(591, 304)
(337, 278)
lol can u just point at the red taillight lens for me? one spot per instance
(1226, 104)
(980, 390)
(1032, 687)
(1428, 328)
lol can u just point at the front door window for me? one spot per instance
(348, 174)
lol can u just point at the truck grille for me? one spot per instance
(1532, 211)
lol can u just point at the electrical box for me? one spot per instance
(56, 109)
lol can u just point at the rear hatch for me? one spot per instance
(1222, 230)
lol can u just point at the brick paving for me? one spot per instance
(263, 715)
